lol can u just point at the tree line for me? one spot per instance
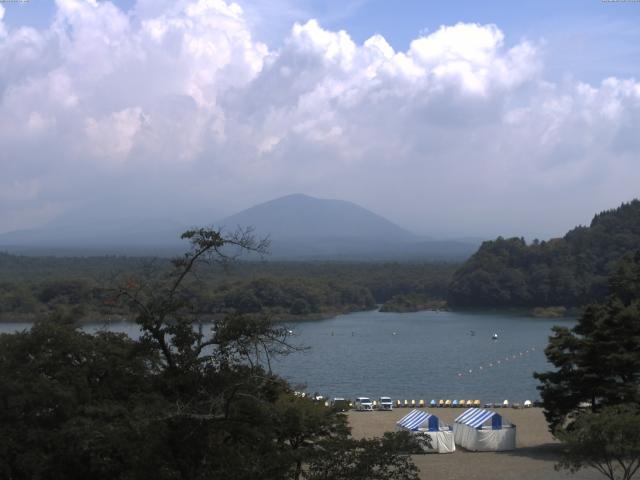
(33, 287)
(569, 271)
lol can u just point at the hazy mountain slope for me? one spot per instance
(368, 250)
(298, 215)
(130, 236)
(306, 228)
(300, 228)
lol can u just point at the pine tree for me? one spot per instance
(597, 361)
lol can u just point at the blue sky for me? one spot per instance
(475, 118)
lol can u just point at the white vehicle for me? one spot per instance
(386, 403)
(363, 404)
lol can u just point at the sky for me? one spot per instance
(451, 119)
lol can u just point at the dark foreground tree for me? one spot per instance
(188, 400)
(597, 361)
(74, 405)
(608, 441)
(367, 459)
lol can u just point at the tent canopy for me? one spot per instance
(416, 419)
(475, 418)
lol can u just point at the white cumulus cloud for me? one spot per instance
(176, 103)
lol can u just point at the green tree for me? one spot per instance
(303, 424)
(597, 361)
(608, 441)
(74, 405)
(568, 271)
(383, 458)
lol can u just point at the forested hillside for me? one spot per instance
(34, 286)
(569, 271)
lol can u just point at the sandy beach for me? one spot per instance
(533, 459)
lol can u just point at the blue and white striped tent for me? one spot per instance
(475, 418)
(417, 419)
(470, 432)
(431, 437)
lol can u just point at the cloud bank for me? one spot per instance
(174, 106)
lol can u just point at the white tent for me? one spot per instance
(473, 431)
(432, 437)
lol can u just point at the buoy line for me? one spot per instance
(496, 363)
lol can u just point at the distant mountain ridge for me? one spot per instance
(301, 216)
(300, 227)
(154, 236)
(568, 271)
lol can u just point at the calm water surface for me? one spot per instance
(421, 355)
(431, 355)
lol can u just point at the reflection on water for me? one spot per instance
(421, 355)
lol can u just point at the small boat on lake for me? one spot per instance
(495, 336)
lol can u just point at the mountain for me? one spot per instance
(568, 271)
(306, 228)
(301, 216)
(300, 228)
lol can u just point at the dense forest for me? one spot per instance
(175, 403)
(83, 287)
(568, 271)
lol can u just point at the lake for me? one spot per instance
(421, 355)
(424, 355)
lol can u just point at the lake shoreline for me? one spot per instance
(568, 314)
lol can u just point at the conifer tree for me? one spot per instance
(598, 360)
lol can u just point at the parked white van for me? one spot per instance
(386, 403)
(363, 404)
